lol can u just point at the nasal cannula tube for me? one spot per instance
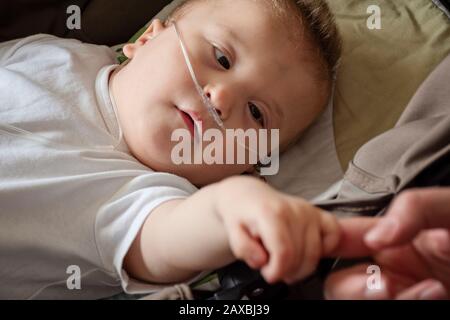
(206, 101)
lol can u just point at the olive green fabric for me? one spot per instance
(382, 69)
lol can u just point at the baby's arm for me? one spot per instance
(238, 218)
(180, 239)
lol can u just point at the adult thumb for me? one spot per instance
(410, 213)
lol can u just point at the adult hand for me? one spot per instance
(411, 245)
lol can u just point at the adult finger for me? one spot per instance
(351, 284)
(367, 282)
(351, 243)
(429, 289)
(409, 214)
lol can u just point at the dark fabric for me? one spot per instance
(105, 22)
(445, 3)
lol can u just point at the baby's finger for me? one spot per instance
(278, 242)
(311, 253)
(298, 234)
(246, 247)
(331, 232)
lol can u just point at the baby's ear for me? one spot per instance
(156, 26)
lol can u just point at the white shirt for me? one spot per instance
(72, 198)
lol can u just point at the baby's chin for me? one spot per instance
(161, 157)
(198, 174)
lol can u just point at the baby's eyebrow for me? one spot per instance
(231, 34)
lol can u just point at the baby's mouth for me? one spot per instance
(188, 120)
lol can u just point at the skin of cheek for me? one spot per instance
(147, 129)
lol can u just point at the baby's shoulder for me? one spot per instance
(46, 47)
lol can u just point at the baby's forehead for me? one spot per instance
(259, 28)
(254, 15)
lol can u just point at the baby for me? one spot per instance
(92, 202)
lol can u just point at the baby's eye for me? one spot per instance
(222, 59)
(256, 113)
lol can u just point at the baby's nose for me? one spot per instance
(222, 100)
(215, 108)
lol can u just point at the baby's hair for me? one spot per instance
(314, 20)
(317, 20)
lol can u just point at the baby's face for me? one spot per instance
(246, 65)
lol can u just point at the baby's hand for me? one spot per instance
(282, 235)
